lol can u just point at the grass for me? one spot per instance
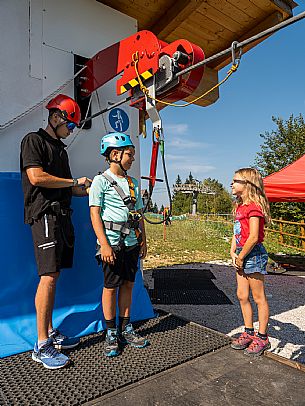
(191, 241)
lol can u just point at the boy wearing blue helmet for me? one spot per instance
(115, 205)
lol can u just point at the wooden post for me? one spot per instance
(281, 237)
(164, 224)
(302, 233)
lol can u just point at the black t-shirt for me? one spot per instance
(41, 150)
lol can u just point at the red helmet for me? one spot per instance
(69, 108)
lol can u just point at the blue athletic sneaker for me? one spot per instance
(49, 356)
(62, 342)
(112, 348)
(129, 336)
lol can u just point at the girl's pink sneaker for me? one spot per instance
(258, 346)
(243, 341)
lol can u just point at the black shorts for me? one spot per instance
(53, 238)
(124, 269)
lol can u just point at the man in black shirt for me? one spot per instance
(48, 187)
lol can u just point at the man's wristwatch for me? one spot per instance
(75, 182)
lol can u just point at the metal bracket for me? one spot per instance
(150, 105)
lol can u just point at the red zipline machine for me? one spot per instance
(143, 59)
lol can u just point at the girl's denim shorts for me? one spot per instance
(256, 260)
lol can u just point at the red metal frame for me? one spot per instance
(117, 59)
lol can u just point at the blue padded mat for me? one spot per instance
(77, 309)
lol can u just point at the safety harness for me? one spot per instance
(133, 221)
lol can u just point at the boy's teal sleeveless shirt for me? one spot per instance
(112, 207)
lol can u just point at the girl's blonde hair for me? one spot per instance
(255, 191)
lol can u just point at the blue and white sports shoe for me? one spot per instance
(62, 342)
(111, 348)
(129, 336)
(49, 356)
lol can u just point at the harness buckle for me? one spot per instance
(55, 208)
(135, 216)
(127, 200)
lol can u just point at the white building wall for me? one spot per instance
(39, 38)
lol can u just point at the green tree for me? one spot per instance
(280, 148)
(178, 181)
(218, 199)
(178, 199)
(181, 203)
(191, 178)
(155, 208)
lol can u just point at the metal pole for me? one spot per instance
(194, 203)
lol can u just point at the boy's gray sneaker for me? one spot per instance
(111, 348)
(49, 356)
(129, 336)
(62, 342)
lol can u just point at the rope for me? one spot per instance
(83, 123)
(144, 89)
(168, 193)
(99, 106)
(39, 104)
(219, 55)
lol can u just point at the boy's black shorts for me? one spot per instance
(124, 269)
(53, 237)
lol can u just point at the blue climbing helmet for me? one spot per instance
(115, 140)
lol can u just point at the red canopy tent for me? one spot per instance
(288, 184)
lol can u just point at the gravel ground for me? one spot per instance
(286, 298)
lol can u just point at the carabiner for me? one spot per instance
(235, 60)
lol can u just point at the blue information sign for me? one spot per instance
(119, 120)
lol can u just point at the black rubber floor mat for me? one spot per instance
(173, 341)
(184, 284)
(191, 297)
(161, 273)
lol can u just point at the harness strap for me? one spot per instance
(131, 188)
(129, 200)
(120, 226)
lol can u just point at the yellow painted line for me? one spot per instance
(146, 75)
(133, 82)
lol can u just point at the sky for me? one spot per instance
(215, 141)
